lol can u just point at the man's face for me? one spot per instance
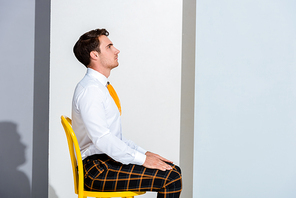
(109, 54)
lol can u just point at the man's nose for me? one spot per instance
(117, 51)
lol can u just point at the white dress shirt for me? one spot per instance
(97, 124)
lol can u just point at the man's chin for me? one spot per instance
(114, 66)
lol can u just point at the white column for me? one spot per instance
(245, 99)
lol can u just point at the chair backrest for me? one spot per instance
(74, 150)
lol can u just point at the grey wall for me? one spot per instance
(16, 101)
(41, 99)
(187, 96)
(24, 85)
(245, 99)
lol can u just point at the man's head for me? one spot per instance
(87, 43)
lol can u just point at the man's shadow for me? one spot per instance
(13, 183)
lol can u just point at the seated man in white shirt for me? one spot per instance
(112, 163)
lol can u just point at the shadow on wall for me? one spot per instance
(52, 193)
(13, 183)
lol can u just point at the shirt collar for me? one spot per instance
(97, 75)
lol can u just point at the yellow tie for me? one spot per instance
(114, 96)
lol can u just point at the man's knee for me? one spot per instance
(178, 169)
(176, 175)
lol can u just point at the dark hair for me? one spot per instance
(88, 42)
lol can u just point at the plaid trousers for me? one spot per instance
(102, 173)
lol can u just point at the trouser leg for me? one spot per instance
(104, 174)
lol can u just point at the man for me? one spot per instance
(112, 163)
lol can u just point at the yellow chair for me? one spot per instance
(78, 175)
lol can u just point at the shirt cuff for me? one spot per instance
(139, 158)
(141, 150)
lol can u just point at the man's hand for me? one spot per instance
(155, 161)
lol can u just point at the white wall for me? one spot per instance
(245, 99)
(148, 79)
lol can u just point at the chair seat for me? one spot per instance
(112, 194)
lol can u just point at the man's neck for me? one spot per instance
(105, 72)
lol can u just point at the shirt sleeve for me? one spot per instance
(133, 145)
(91, 106)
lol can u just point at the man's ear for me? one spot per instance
(94, 55)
